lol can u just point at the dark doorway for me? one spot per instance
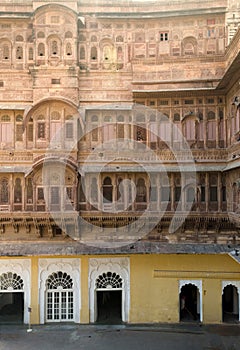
(189, 303)
(109, 307)
(230, 307)
(11, 308)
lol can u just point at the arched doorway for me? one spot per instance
(59, 297)
(189, 301)
(11, 298)
(230, 304)
(110, 275)
(109, 298)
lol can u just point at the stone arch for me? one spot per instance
(115, 267)
(71, 267)
(21, 268)
(236, 285)
(189, 46)
(198, 285)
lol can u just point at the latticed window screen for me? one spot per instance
(4, 192)
(59, 297)
(109, 279)
(11, 281)
(59, 279)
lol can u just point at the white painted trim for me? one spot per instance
(21, 267)
(72, 267)
(237, 285)
(98, 266)
(198, 284)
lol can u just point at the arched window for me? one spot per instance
(18, 191)
(6, 52)
(94, 190)
(107, 190)
(94, 53)
(190, 195)
(41, 49)
(19, 38)
(54, 48)
(119, 53)
(11, 281)
(93, 38)
(141, 195)
(40, 35)
(29, 191)
(68, 35)
(68, 49)
(109, 280)
(4, 191)
(30, 54)
(82, 53)
(19, 53)
(59, 297)
(19, 128)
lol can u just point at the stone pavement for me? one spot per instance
(122, 337)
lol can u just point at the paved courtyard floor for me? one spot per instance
(129, 337)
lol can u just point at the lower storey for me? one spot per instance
(117, 289)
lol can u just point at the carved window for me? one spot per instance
(40, 35)
(54, 48)
(30, 54)
(69, 131)
(165, 193)
(107, 190)
(18, 191)
(211, 130)
(93, 38)
(41, 49)
(141, 134)
(55, 195)
(141, 191)
(29, 191)
(40, 194)
(41, 130)
(120, 53)
(213, 188)
(19, 128)
(190, 195)
(94, 53)
(94, 133)
(19, 38)
(19, 53)
(109, 280)
(82, 53)
(69, 49)
(30, 130)
(59, 279)
(11, 281)
(6, 52)
(120, 131)
(68, 35)
(94, 190)
(4, 191)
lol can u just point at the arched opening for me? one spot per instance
(59, 297)
(189, 301)
(107, 190)
(230, 304)
(11, 298)
(109, 298)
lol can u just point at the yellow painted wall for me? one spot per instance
(156, 299)
(154, 285)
